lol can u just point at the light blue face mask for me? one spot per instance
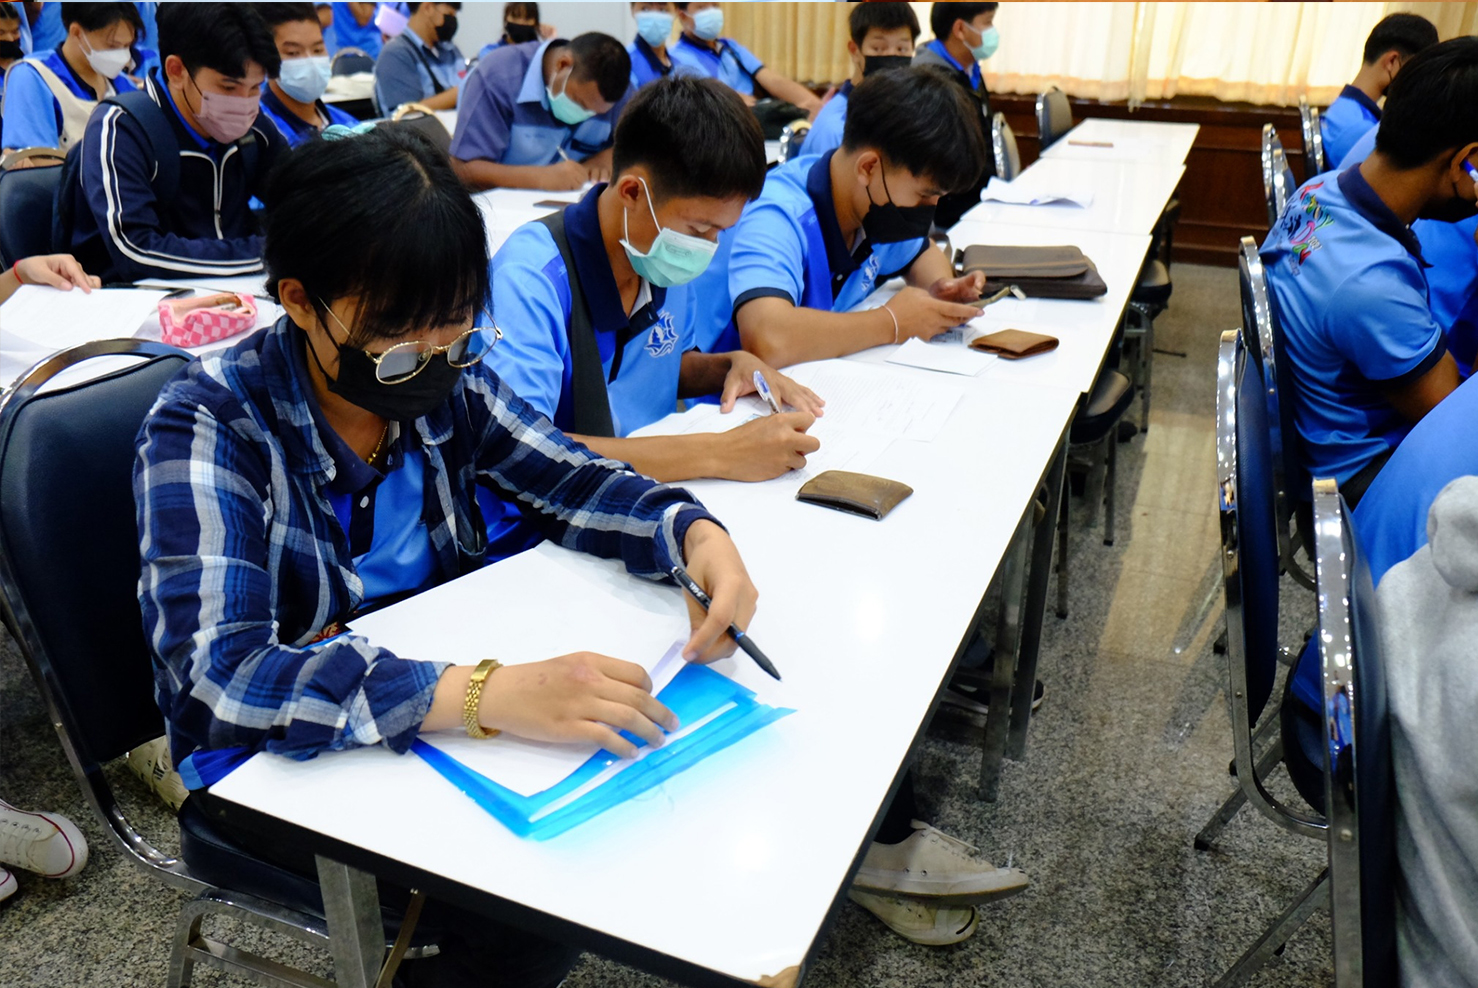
(990, 40)
(674, 258)
(305, 79)
(565, 109)
(709, 23)
(654, 26)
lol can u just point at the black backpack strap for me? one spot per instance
(436, 86)
(590, 403)
(155, 121)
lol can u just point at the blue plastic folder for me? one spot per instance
(694, 693)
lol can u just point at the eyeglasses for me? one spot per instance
(404, 361)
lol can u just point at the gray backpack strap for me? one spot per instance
(590, 404)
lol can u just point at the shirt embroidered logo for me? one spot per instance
(662, 340)
(870, 272)
(1300, 229)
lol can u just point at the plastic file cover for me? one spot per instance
(715, 712)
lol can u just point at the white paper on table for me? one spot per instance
(42, 317)
(1025, 194)
(944, 355)
(873, 402)
(254, 285)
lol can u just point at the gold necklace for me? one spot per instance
(375, 453)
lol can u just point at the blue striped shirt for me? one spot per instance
(245, 564)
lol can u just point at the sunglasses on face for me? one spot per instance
(404, 361)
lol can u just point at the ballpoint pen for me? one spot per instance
(763, 387)
(750, 648)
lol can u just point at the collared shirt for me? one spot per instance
(408, 70)
(645, 65)
(730, 63)
(826, 133)
(294, 129)
(351, 34)
(788, 244)
(1347, 277)
(641, 353)
(48, 32)
(32, 115)
(1346, 121)
(504, 115)
(941, 53)
(245, 564)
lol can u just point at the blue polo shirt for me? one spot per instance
(408, 70)
(730, 63)
(938, 48)
(788, 244)
(642, 353)
(1346, 121)
(645, 65)
(504, 114)
(826, 133)
(27, 41)
(294, 128)
(351, 34)
(33, 116)
(1349, 281)
(48, 32)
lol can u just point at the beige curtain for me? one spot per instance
(806, 42)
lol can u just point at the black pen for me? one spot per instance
(740, 638)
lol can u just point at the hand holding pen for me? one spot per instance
(733, 631)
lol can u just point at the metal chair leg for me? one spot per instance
(1237, 799)
(351, 904)
(1110, 479)
(1035, 607)
(1147, 370)
(1008, 650)
(1062, 521)
(1315, 896)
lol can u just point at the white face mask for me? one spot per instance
(108, 62)
(305, 79)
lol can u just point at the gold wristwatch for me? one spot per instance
(480, 676)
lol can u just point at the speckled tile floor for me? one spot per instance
(1128, 759)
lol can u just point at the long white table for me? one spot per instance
(1147, 141)
(1128, 197)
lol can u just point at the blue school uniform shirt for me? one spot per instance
(826, 133)
(645, 65)
(33, 116)
(1346, 121)
(28, 44)
(504, 113)
(294, 129)
(642, 353)
(1349, 281)
(973, 72)
(350, 34)
(731, 63)
(48, 32)
(788, 245)
(409, 70)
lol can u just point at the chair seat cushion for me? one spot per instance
(1112, 395)
(1153, 287)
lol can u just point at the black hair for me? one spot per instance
(883, 16)
(97, 16)
(9, 13)
(413, 7)
(919, 119)
(942, 16)
(1405, 33)
(414, 253)
(275, 15)
(220, 36)
(523, 11)
(604, 59)
(1432, 105)
(695, 137)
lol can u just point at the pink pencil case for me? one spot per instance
(192, 322)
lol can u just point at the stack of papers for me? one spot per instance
(38, 321)
(1030, 193)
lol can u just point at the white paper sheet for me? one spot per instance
(949, 356)
(247, 284)
(40, 317)
(1032, 194)
(872, 402)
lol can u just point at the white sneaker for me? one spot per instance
(47, 843)
(931, 925)
(151, 762)
(931, 864)
(7, 885)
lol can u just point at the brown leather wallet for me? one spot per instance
(856, 493)
(1013, 344)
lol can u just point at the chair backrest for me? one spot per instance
(69, 559)
(1278, 183)
(793, 138)
(1250, 562)
(1313, 133)
(1003, 146)
(1359, 779)
(348, 61)
(27, 201)
(1054, 116)
(414, 116)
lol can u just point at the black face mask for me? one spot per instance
(402, 402)
(884, 63)
(890, 223)
(520, 33)
(10, 50)
(448, 29)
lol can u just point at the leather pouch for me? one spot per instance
(1013, 344)
(855, 493)
(1063, 272)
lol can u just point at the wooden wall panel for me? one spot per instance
(1221, 193)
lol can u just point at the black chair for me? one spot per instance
(414, 116)
(69, 570)
(1278, 183)
(348, 61)
(793, 138)
(1054, 116)
(27, 201)
(1095, 431)
(1360, 785)
(1313, 133)
(1003, 148)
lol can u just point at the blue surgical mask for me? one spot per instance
(990, 40)
(674, 258)
(305, 79)
(654, 26)
(708, 23)
(565, 109)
